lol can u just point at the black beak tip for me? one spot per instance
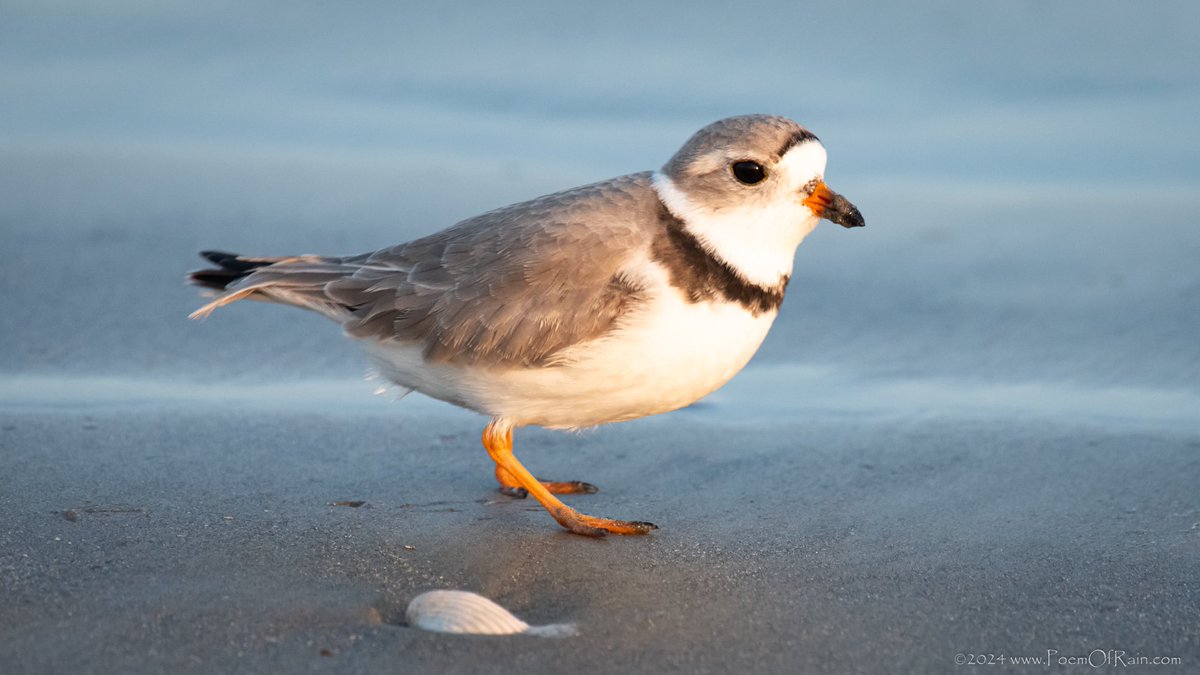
(842, 212)
(851, 218)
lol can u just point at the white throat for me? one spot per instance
(759, 243)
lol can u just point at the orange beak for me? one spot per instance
(831, 206)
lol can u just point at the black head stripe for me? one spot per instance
(795, 139)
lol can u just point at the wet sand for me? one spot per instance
(209, 536)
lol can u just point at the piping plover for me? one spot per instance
(625, 298)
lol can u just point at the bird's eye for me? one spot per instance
(748, 172)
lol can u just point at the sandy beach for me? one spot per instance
(974, 431)
(211, 536)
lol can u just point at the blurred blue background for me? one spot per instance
(1028, 170)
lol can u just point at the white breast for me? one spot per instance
(667, 354)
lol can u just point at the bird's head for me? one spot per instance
(751, 188)
(759, 162)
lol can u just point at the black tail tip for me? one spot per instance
(214, 279)
(225, 259)
(231, 267)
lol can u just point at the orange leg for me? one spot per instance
(497, 438)
(510, 487)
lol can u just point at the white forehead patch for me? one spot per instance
(804, 161)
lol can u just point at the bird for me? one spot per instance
(620, 299)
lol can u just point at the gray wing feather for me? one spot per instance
(512, 287)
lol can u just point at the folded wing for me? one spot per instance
(512, 287)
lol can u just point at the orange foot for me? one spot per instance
(510, 487)
(514, 477)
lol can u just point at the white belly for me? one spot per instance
(670, 355)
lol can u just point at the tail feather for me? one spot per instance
(230, 268)
(292, 280)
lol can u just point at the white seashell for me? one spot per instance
(472, 614)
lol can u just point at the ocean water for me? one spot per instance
(1029, 173)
